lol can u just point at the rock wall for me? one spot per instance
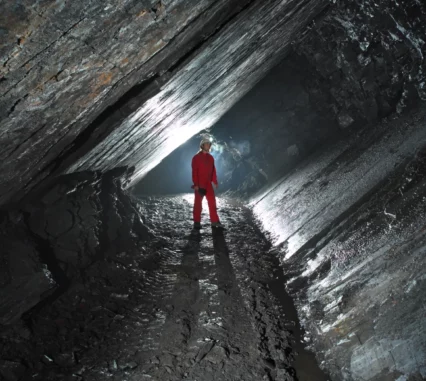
(25, 280)
(75, 78)
(367, 59)
(49, 244)
(64, 63)
(348, 225)
(270, 130)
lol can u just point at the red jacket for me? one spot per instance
(203, 170)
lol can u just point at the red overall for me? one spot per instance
(203, 175)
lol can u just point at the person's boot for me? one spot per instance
(197, 225)
(217, 225)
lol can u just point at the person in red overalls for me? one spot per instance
(203, 175)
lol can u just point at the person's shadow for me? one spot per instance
(225, 272)
(184, 301)
(187, 300)
(230, 298)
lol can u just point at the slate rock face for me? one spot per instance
(86, 217)
(64, 62)
(83, 219)
(367, 59)
(68, 217)
(349, 227)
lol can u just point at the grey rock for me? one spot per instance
(167, 360)
(374, 46)
(59, 221)
(128, 365)
(155, 360)
(46, 360)
(113, 365)
(65, 359)
(205, 349)
(283, 375)
(120, 296)
(217, 355)
(345, 120)
(69, 232)
(351, 284)
(24, 278)
(11, 370)
(293, 150)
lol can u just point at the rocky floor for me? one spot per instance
(186, 306)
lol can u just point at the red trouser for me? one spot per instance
(211, 200)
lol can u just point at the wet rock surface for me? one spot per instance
(49, 244)
(64, 63)
(349, 227)
(367, 59)
(182, 305)
(24, 279)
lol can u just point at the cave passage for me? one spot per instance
(316, 111)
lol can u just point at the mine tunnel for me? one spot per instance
(315, 111)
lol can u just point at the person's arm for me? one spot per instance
(195, 176)
(214, 177)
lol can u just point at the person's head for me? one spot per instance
(205, 145)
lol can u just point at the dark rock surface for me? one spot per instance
(24, 280)
(84, 218)
(349, 227)
(65, 62)
(367, 59)
(183, 305)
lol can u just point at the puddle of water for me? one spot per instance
(305, 364)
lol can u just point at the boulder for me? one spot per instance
(24, 280)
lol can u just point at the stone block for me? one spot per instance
(24, 278)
